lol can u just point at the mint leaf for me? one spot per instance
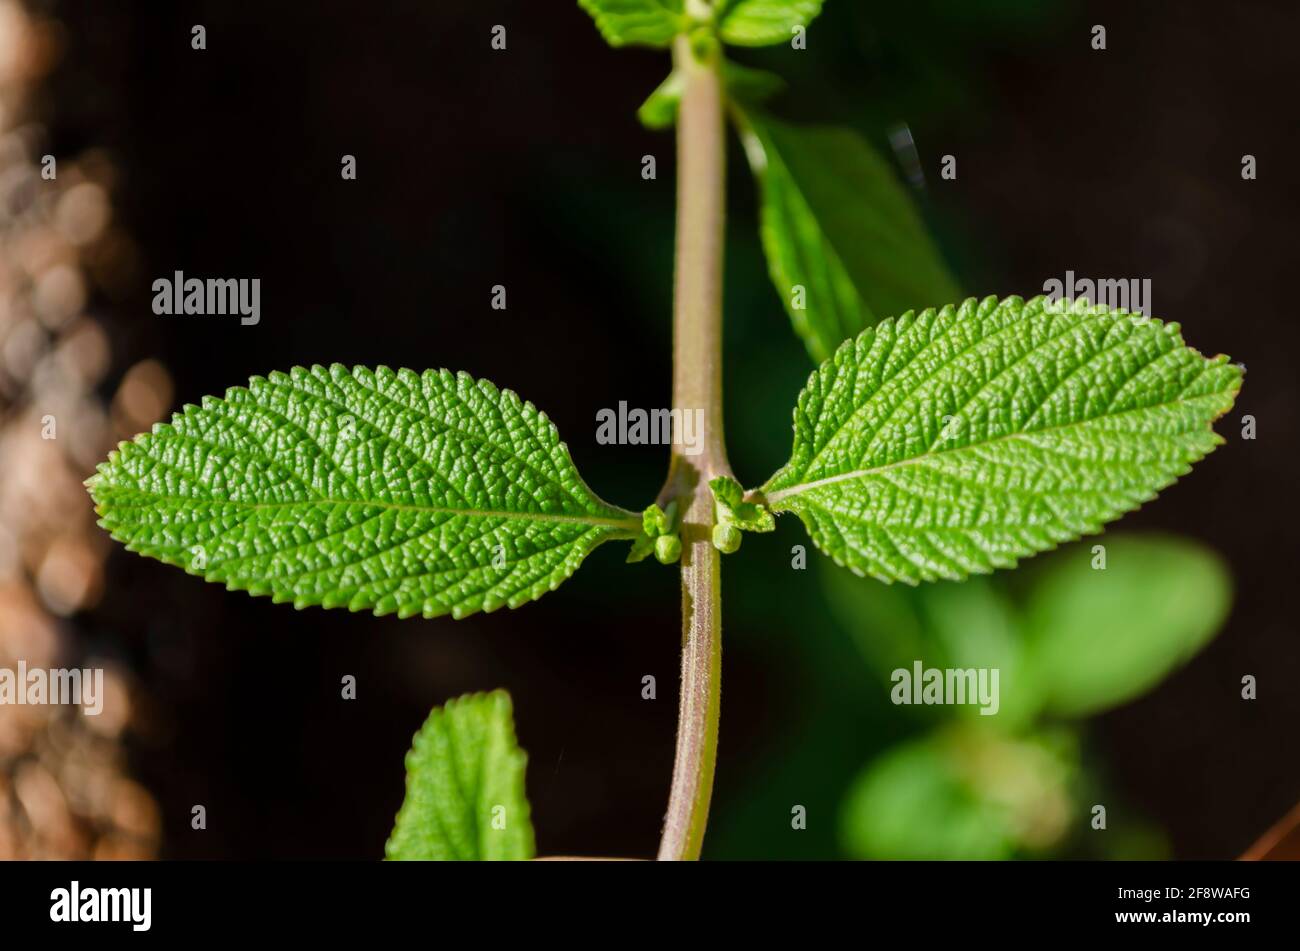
(1099, 637)
(637, 22)
(764, 22)
(837, 223)
(465, 786)
(953, 442)
(371, 489)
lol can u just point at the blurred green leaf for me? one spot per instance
(743, 84)
(971, 624)
(764, 22)
(659, 111)
(963, 794)
(465, 786)
(836, 222)
(911, 803)
(1100, 637)
(637, 22)
(976, 625)
(749, 87)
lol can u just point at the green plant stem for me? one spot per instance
(697, 385)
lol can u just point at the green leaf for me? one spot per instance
(733, 510)
(734, 515)
(837, 223)
(659, 534)
(748, 86)
(659, 111)
(953, 442)
(643, 547)
(1099, 637)
(637, 22)
(371, 489)
(465, 787)
(656, 521)
(743, 85)
(727, 492)
(764, 22)
(962, 794)
(972, 624)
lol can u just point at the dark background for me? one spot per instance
(522, 168)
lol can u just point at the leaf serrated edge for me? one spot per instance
(1228, 398)
(504, 707)
(599, 532)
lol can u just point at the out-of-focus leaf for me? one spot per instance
(748, 86)
(743, 84)
(837, 222)
(966, 794)
(659, 111)
(1100, 637)
(764, 22)
(637, 22)
(911, 803)
(945, 625)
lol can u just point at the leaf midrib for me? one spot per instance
(802, 487)
(630, 522)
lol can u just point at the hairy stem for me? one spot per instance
(697, 390)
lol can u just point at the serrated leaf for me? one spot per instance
(392, 491)
(733, 510)
(726, 491)
(643, 547)
(1099, 637)
(637, 22)
(465, 797)
(656, 521)
(764, 22)
(953, 442)
(836, 221)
